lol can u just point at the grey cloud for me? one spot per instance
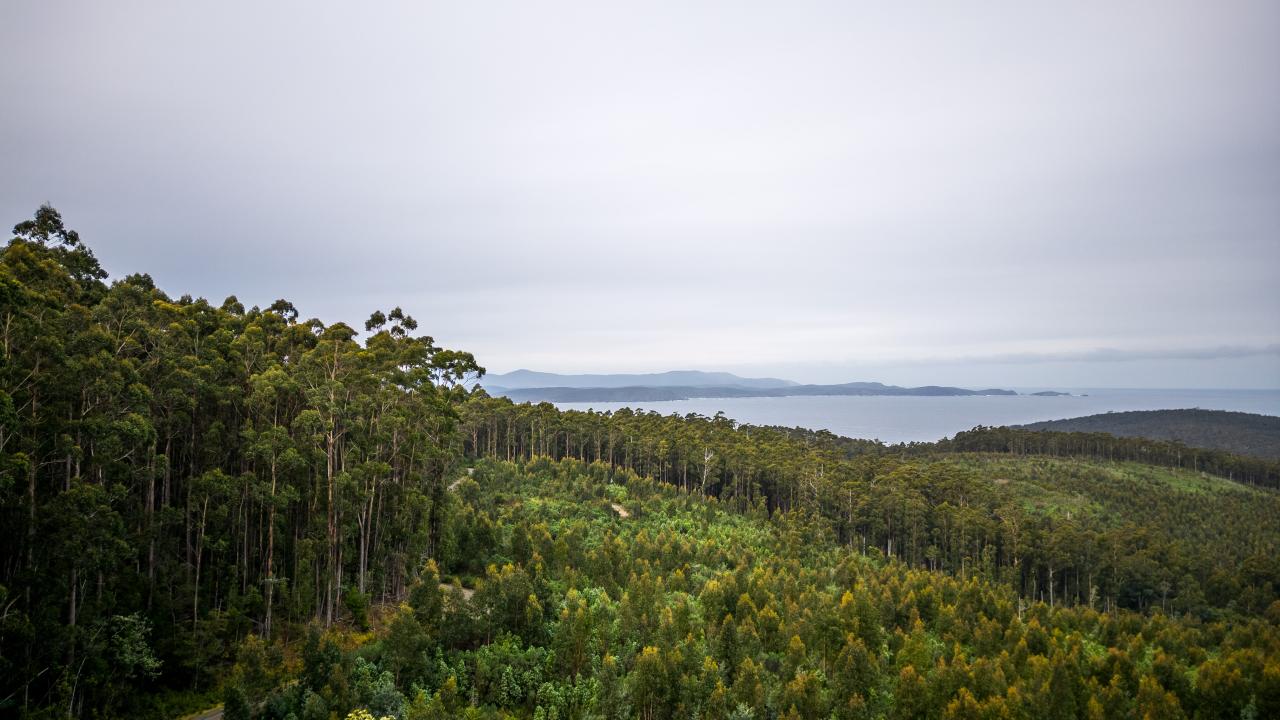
(582, 186)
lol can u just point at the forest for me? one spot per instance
(211, 504)
(1235, 432)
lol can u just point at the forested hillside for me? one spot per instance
(1235, 432)
(1105, 446)
(177, 474)
(946, 506)
(601, 594)
(204, 502)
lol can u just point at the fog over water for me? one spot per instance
(906, 419)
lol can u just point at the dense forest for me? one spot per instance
(1234, 432)
(176, 474)
(1091, 445)
(211, 503)
(1106, 446)
(948, 506)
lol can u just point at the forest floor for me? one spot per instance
(454, 485)
(467, 593)
(214, 713)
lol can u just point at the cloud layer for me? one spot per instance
(821, 187)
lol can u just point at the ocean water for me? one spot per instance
(907, 419)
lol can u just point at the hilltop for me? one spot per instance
(1237, 432)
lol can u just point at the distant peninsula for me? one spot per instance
(524, 379)
(521, 386)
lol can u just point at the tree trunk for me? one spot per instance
(195, 595)
(331, 574)
(271, 548)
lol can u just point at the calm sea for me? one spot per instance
(906, 419)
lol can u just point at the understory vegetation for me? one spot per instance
(208, 503)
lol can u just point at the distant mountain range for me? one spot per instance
(1237, 432)
(530, 386)
(520, 379)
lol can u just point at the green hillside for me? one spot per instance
(600, 594)
(1172, 526)
(1237, 432)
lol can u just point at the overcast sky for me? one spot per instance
(1013, 193)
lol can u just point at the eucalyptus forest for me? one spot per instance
(206, 505)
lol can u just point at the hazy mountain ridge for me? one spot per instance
(1237, 432)
(524, 379)
(648, 393)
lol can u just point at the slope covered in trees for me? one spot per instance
(1105, 446)
(686, 608)
(202, 500)
(1235, 432)
(944, 506)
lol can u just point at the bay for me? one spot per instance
(894, 419)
